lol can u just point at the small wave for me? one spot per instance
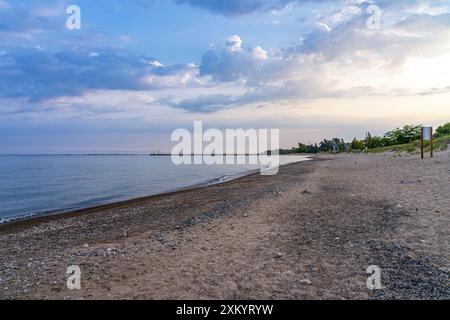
(21, 217)
(35, 214)
(228, 178)
(214, 181)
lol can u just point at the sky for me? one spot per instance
(138, 69)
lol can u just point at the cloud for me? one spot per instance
(342, 36)
(409, 36)
(339, 57)
(243, 7)
(231, 8)
(203, 103)
(28, 19)
(236, 7)
(289, 90)
(40, 74)
(233, 61)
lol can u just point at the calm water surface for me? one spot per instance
(33, 185)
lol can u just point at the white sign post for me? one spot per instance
(426, 134)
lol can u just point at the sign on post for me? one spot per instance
(426, 135)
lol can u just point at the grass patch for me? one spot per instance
(439, 144)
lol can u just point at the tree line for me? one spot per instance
(398, 136)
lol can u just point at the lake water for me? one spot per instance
(42, 184)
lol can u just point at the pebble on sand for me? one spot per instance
(305, 281)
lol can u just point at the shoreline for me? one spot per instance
(30, 219)
(58, 215)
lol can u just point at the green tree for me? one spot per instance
(327, 145)
(375, 141)
(403, 135)
(358, 144)
(443, 130)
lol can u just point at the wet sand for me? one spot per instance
(309, 232)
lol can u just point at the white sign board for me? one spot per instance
(427, 133)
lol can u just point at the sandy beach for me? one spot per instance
(309, 232)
